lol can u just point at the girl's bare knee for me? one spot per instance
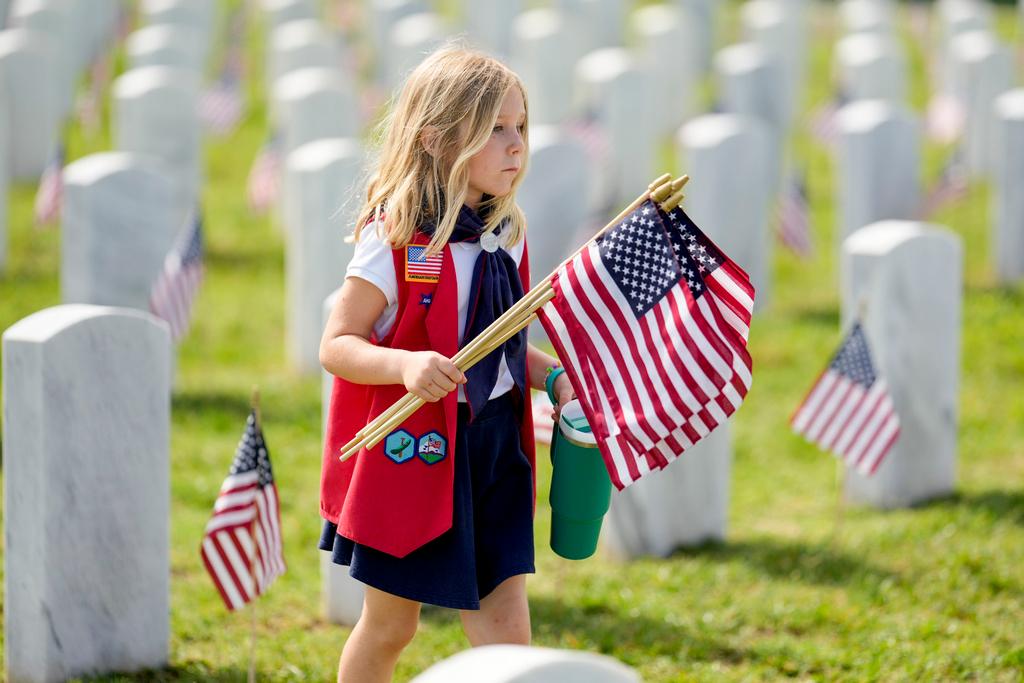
(388, 621)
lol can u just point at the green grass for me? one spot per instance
(930, 593)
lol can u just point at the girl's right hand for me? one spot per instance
(429, 375)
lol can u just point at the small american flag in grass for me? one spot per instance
(848, 410)
(223, 102)
(51, 190)
(794, 226)
(264, 175)
(824, 124)
(175, 288)
(242, 548)
(951, 185)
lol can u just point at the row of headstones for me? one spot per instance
(880, 138)
(43, 48)
(155, 120)
(906, 274)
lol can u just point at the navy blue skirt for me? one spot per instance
(491, 538)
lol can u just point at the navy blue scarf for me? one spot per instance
(495, 287)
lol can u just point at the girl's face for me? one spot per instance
(493, 169)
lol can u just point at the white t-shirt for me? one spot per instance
(374, 263)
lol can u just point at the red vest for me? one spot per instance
(398, 495)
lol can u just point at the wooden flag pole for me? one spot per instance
(840, 501)
(252, 559)
(667, 192)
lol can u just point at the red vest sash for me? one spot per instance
(398, 495)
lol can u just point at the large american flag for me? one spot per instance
(50, 190)
(242, 547)
(794, 225)
(651, 320)
(175, 288)
(848, 410)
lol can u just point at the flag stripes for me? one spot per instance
(175, 288)
(849, 410)
(638, 322)
(241, 547)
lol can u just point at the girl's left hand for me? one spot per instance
(563, 391)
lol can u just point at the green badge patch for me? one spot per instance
(432, 448)
(400, 445)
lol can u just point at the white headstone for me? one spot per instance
(700, 18)
(867, 16)
(198, 15)
(118, 221)
(165, 45)
(298, 45)
(1008, 179)
(781, 32)
(341, 595)
(4, 174)
(489, 24)
(319, 176)
(749, 80)
(956, 18)
(907, 277)
(551, 195)
(728, 156)
(879, 164)
(384, 14)
(609, 85)
(871, 66)
(312, 104)
(280, 12)
(28, 69)
(86, 401)
(600, 21)
(412, 38)
(685, 504)
(53, 19)
(982, 69)
(545, 49)
(524, 664)
(156, 114)
(667, 50)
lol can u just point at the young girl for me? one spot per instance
(441, 510)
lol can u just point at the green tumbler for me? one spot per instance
(580, 488)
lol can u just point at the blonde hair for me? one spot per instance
(454, 97)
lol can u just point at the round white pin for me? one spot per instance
(489, 242)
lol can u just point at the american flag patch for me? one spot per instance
(422, 268)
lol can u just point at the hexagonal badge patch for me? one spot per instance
(432, 448)
(400, 445)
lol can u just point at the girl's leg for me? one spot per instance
(387, 624)
(503, 617)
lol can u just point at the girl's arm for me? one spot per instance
(538, 362)
(345, 349)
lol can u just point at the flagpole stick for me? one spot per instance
(840, 500)
(252, 559)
